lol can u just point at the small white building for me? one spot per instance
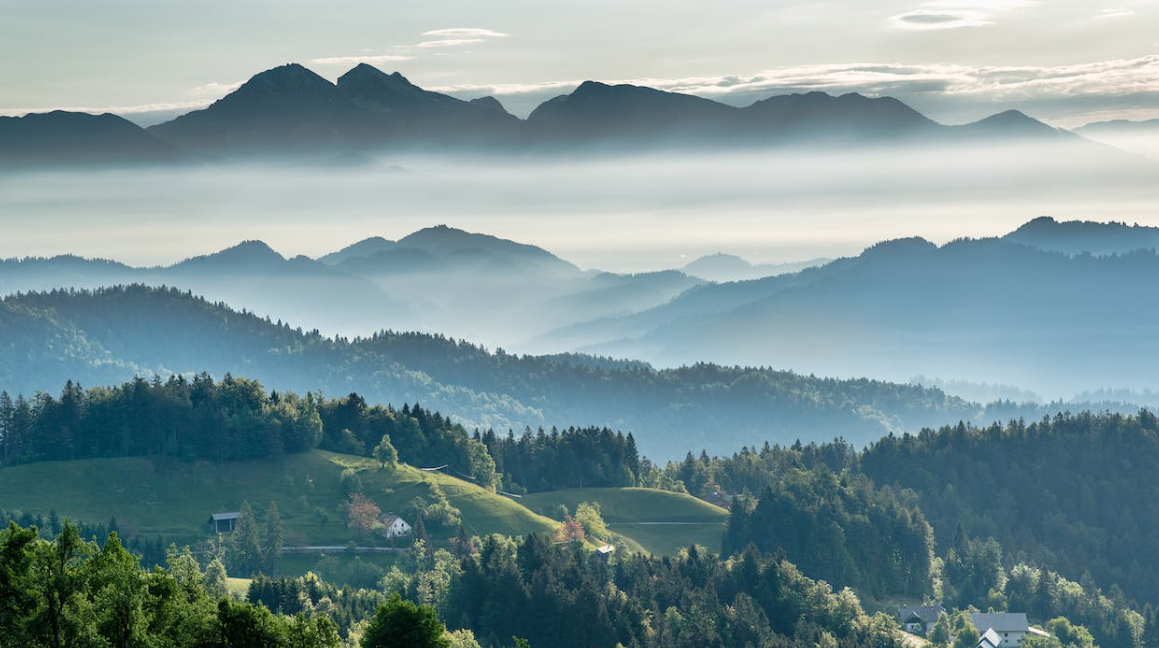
(920, 619)
(393, 526)
(1008, 629)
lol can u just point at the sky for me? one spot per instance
(1068, 62)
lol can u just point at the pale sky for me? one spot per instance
(1064, 61)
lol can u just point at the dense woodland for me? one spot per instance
(230, 419)
(1078, 493)
(840, 529)
(111, 335)
(573, 458)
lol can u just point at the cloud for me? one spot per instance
(955, 14)
(1115, 12)
(116, 110)
(362, 58)
(1115, 85)
(465, 32)
(216, 89)
(449, 42)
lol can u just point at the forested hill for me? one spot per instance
(111, 335)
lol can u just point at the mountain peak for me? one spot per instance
(1014, 122)
(248, 254)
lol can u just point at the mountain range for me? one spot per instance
(1054, 307)
(290, 109)
(439, 279)
(111, 335)
(970, 311)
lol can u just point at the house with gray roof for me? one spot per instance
(919, 619)
(1008, 628)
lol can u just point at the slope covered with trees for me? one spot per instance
(110, 336)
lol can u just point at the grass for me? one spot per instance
(174, 498)
(661, 522)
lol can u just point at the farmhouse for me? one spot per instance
(393, 526)
(919, 619)
(224, 522)
(1008, 629)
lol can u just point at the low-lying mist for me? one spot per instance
(621, 213)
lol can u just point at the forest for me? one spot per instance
(112, 335)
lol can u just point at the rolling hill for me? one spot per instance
(109, 336)
(661, 522)
(968, 310)
(175, 498)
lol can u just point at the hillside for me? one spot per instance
(967, 310)
(112, 335)
(662, 522)
(174, 498)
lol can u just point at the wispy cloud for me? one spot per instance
(116, 110)
(216, 89)
(360, 58)
(1115, 12)
(1118, 76)
(465, 32)
(449, 42)
(955, 14)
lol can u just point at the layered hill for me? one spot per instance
(1008, 310)
(174, 498)
(438, 279)
(111, 335)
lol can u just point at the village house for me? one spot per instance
(224, 522)
(919, 619)
(393, 526)
(1003, 630)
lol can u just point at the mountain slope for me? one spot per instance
(175, 498)
(111, 335)
(285, 107)
(73, 138)
(1078, 237)
(971, 310)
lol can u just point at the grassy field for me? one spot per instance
(175, 498)
(661, 522)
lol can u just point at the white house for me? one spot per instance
(919, 619)
(1008, 629)
(393, 526)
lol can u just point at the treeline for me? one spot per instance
(561, 595)
(1078, 493)
(840, 529)
(421, 437)
(234, 418)
(231, 419)
(72, 593)
(573, 458)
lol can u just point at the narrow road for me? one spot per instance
(322, 548)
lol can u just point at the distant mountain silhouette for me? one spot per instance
(363, 248)
(1124, 126)
(292, 107)
(285, 107)
(598, 110)
(819, 115)
(1012, 123)
(970, 310)
(1078, 237)
(250, 275)
(291, 110)
(729, 267)
(406, 111)
(69, 138)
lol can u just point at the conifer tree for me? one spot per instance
(246, 542)
(273, 540)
